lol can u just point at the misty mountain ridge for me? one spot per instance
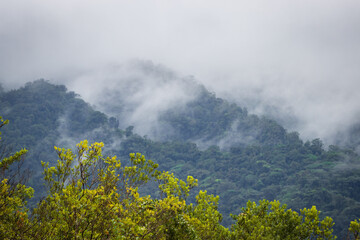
(234, 154)
(147, 95)
(188, 115)
(270, 108)
(153, 98)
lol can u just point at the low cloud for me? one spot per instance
(294, 60)
(136, 93)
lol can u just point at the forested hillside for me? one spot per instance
(233, 154)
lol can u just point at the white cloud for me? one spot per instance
(301, 56)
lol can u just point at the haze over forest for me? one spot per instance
(247, 100)
(297, 61)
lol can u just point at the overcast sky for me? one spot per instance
(302, 56)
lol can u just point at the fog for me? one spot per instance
(136, 93)
(297, 61)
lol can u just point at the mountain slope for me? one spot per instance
(235, 155)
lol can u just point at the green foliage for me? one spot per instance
(14, 220)
(290, 172)
(257, 159)
(98, 198)
(355, 228)
(271, 220)
(90, 196)
(205, 218)
(42, 115)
